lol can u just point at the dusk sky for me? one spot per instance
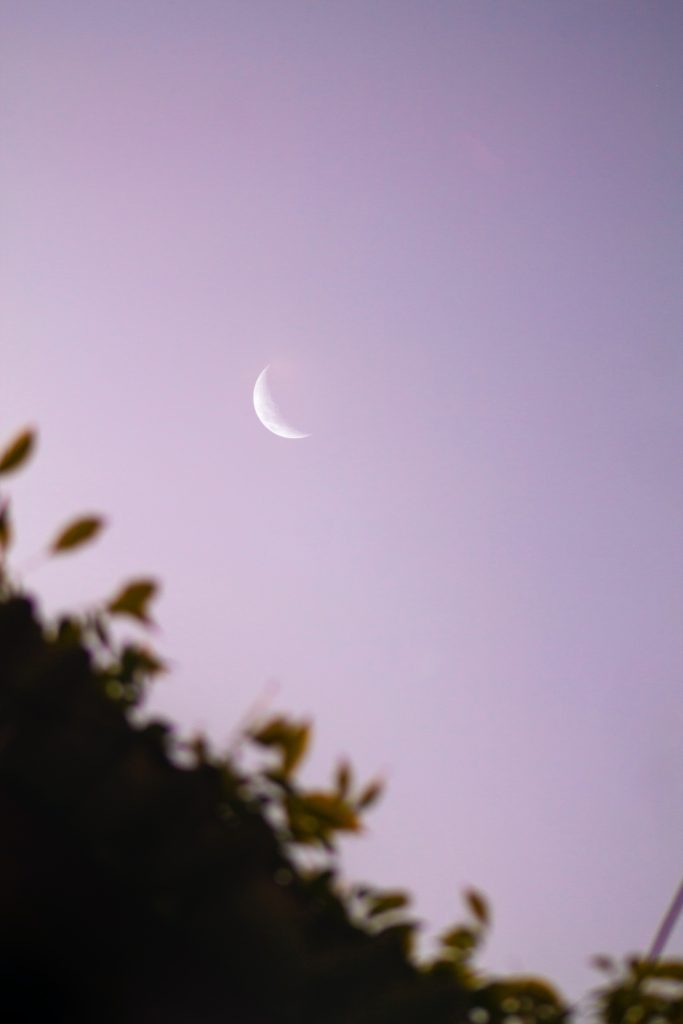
(454, 230)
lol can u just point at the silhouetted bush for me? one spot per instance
(145, 879)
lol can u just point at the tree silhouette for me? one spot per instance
(146, 879)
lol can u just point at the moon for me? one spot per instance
(268, 412)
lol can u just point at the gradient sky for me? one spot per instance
(454, 230)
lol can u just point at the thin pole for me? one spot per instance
(667, 925)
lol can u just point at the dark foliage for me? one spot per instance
(145, 880)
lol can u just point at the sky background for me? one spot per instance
(454, 230)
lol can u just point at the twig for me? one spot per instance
(667, 925)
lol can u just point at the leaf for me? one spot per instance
(101, 631)
(140, 660)
(273, 733)
(6, 531)
(478, 905)
(663, 988)
(315, 816)
(330, 811)
(382, 903)
(278, 778)
(133, 599)
(527, 993)
(76, 533)
(460, 941)
(149, 663)
(370, 795)
(291, 738)
(667, 969)
(18, 451)
(343, 778)
(295, 747)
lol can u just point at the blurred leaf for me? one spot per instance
(661, 987)
(382, 903)
(460, 940)
(330, 811)
(133, 599)
(343, 778)
(18, 451)
(140, 660)
(101, 631)
(6, 531)
(370, 795)
(304, 828)
(291, 738)
(77, 533)
(273, 733)
(149, 663)
(478, 904)
(315, 817)
(296, 747)
(667, 969)
(527, 994)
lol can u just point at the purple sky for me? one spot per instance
(454, 229)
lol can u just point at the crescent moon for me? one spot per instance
(267, 411)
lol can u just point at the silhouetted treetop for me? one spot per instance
(145, 878)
